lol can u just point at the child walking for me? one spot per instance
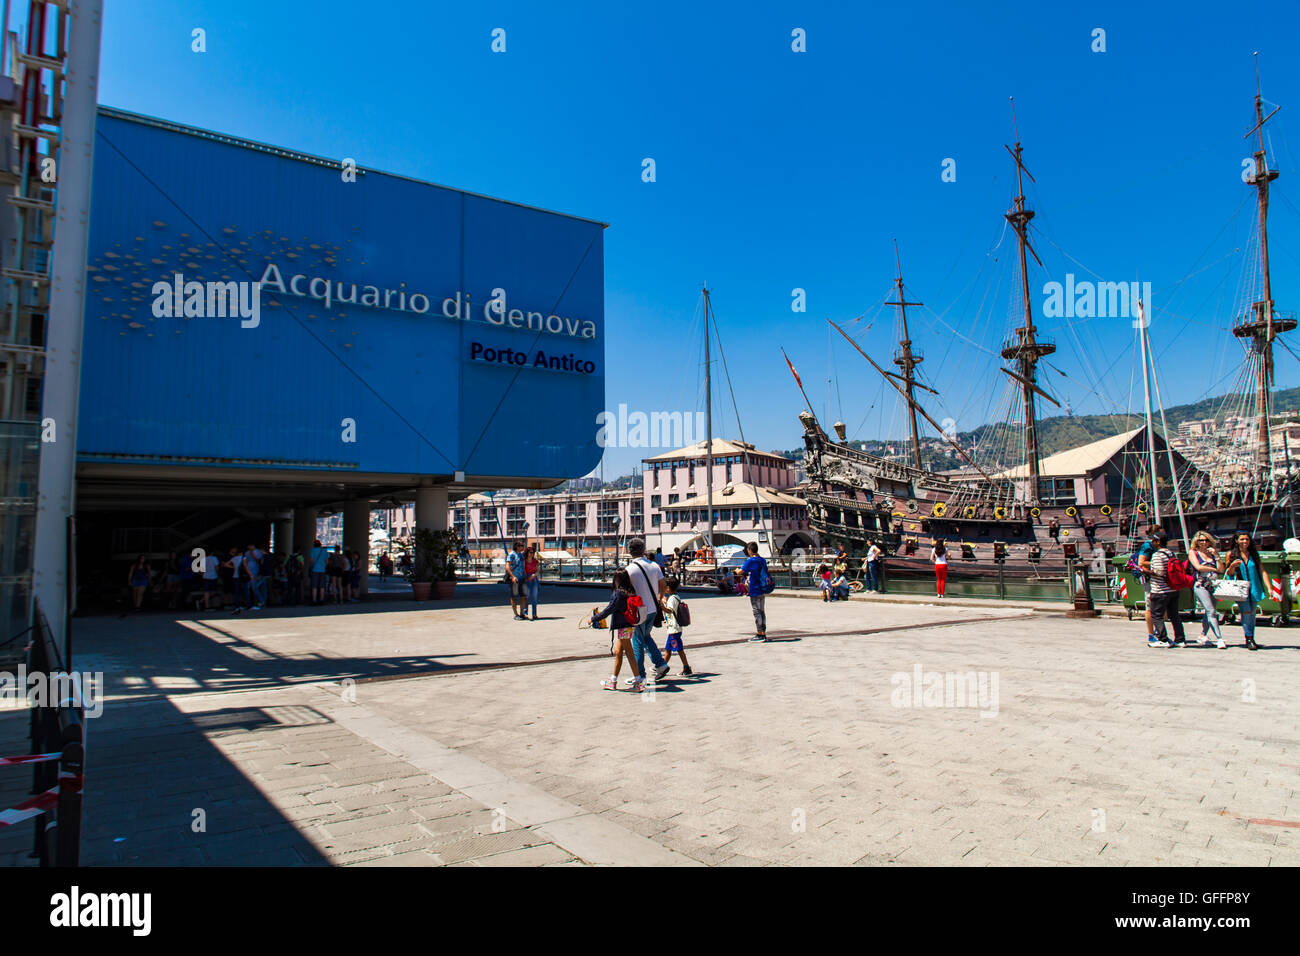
(624, 606)
(670, 606)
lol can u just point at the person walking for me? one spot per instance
(1164, 598)
(648, 580)
(319, 565)
(621, 630)
(137, 579)
(756, 568)
(1204, 561)
(334, 568)
(240, 574)
(172, 587)
(1242, 563)
(1144, 567)
(253, 559)
(515, 579)
(532, 578)
(939, 558)
(1054, 529)
(672, 605)
(211, 571)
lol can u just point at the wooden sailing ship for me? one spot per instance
(1017, 517)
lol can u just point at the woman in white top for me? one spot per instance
(939, 556)
(1205, 565)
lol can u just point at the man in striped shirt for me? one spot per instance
(1163, 600)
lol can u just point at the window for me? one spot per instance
(545, 520)
(746, 514)
(654, 521)
(487, 524)
(767, 514)
(575, 519)
(459, 521)
(654, 502)
(607, 520)
(672, 499)
(516, 521)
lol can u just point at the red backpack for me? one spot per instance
(633, 611)
(1178, 575)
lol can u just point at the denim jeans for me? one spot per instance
(533, 587)
(757, 603)
(642, 641)
(873, 575)
(1209, 617)
(1247, 611)
(241, 592)
(259, 592)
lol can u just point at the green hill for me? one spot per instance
(1054, 434)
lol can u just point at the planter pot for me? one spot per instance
(446, 589)
(422, 589)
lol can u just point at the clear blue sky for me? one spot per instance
(779, 170)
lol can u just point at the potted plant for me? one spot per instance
(436, 553)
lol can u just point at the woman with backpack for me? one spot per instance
(1242, 563)
(1204, 562)
(623, 611)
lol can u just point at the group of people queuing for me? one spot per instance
(248, 578)
(1163, 577)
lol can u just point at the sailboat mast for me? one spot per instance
(708, 428)
(1025, 350)
(1146, 396)
(906, 360)
(1259, 324)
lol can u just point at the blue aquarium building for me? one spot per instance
(268, 334)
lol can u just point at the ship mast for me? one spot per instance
(708, 424)
(1025, 350)
(1259, 324)
(906, 359)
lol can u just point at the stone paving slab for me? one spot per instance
(159, 654)
(811, 749)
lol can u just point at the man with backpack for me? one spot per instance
(1168, 576)
(648, 580)
(760, 584)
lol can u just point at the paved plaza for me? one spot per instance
(864, 733)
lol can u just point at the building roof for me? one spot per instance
(721, 448)
(1077, 461)
(738, 493)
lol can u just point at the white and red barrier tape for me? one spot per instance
(41, 802)
(30, 758)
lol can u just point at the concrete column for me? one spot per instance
(356, 535)
(431, 507)
(282, 533)
(304, 530)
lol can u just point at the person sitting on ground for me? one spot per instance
(840, 587)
